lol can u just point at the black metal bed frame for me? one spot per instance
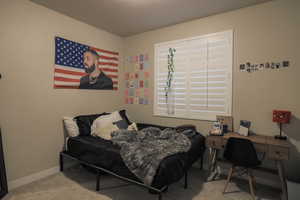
(100, 169)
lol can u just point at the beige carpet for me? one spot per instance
(78, 184)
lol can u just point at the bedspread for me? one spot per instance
(142, 151)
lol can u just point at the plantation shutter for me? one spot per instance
(202, 81)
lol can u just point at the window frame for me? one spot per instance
(207, 116)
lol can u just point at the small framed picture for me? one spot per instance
(244, 127)
(226, 122)
(273, 65)
(216, 129)
(252, 68)
(285, 63)
(248, 67)
(242, 67)
(243, 131)
(261, 66)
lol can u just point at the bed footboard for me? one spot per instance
(159, 192)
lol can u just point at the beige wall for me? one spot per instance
(30, 109)
(263, 33)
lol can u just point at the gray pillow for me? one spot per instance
(122, 124)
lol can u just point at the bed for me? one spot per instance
(104, 156)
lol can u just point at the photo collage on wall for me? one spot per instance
(137, 80)
(248, 67)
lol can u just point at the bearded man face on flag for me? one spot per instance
(90, 61)
(95, 78)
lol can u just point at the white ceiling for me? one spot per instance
(129, 17)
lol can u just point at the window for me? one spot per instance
(201, 85)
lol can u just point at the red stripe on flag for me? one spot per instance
(66, 86)
(105, 51)
(70, 72)
(73, 87)
(108, 63)
(115, 82)
(112, 76)
(109, 58)
(66, 79)
(83, 74)
(109, 70)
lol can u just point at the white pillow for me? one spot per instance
(104, 125)
(71, 126)
(132, 127)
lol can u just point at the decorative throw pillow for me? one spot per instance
(105, 131)
(71, 126)
(132, 127)
(124, 115)
(104, 125)
(122, 124)
(84, 123)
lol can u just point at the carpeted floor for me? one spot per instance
(78, 184)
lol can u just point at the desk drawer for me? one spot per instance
(262, 148)
(278, 153)
(214, 142)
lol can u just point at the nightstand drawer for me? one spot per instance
(214, 142)
(278, 153)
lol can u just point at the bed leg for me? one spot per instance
(61, 162)
(160, 196)
(98, 181)
(185, 180)
(201, 165)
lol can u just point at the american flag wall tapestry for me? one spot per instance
(84, 67)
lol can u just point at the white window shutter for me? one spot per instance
(202, 82)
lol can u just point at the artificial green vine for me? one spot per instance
(171, 69)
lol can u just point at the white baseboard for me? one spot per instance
(31, 178)
(36, 176)
(48, 172)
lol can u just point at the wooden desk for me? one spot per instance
(274, 149)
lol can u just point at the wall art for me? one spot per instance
(84, 67)
(249, 67)
(137, 80)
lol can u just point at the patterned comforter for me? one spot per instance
(142, 151)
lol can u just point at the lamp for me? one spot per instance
(281, 117)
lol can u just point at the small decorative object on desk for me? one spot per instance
(281, 117)
(226, 122)
(244, 127)
(217, 129)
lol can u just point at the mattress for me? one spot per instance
(105, 154)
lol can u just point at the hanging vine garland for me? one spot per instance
(171, 69)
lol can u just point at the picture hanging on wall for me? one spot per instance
(137, 80)
(81, 66)
(248, 67)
